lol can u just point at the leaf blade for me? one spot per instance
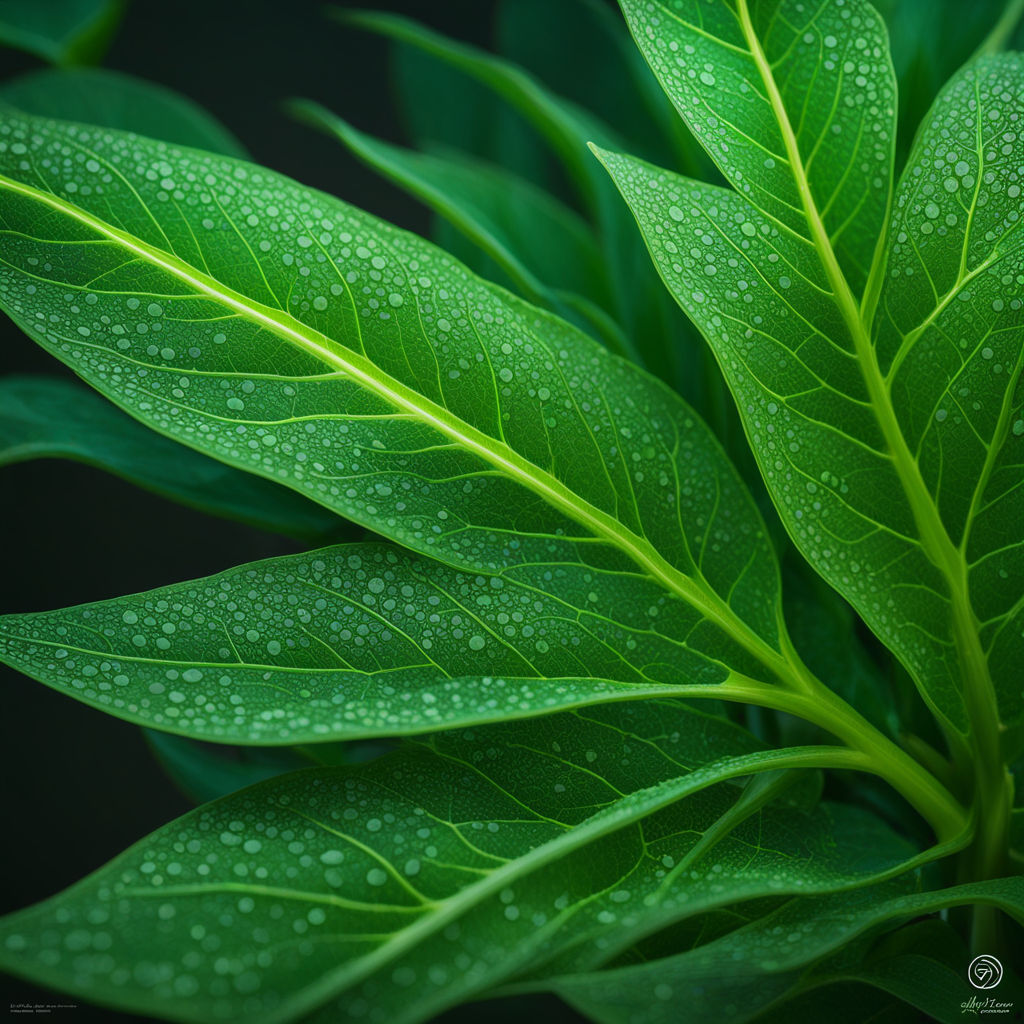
(791, 104)
(362, 640)
(948, 340)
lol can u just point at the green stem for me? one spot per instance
(879, 755)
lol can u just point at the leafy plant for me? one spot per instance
(613, 664)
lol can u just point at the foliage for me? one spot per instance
(686, 647)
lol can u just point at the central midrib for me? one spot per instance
(553, 491)
(980, 694)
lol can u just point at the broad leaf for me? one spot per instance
(46, 417)
(735, 977)
(949, 338)
(360, 640)
(793, 100)
(283, 332)
(288, 334)
(63, 31)
(115, 100)
(416, 881)
(891, 459)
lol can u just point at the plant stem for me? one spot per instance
(910, 779)
(817, 704)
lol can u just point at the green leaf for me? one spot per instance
(361, 640)
(544, 247)
(896, 492)
(116, 100)
(949, 338)
(288, 334)
(46, 417)
(735, 977)
(62, 32)
(398, 888)
(783, 82)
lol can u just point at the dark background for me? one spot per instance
(81, 785)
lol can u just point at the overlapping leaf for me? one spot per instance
(566, 126)
(285, 333)
(784, 953)
(659, 341)
(870, 461)
(581, 49)
(542, 246)
(362, 640)
(768, 83)
(390, 891)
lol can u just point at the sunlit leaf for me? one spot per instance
(792, 100)
(891, 455)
